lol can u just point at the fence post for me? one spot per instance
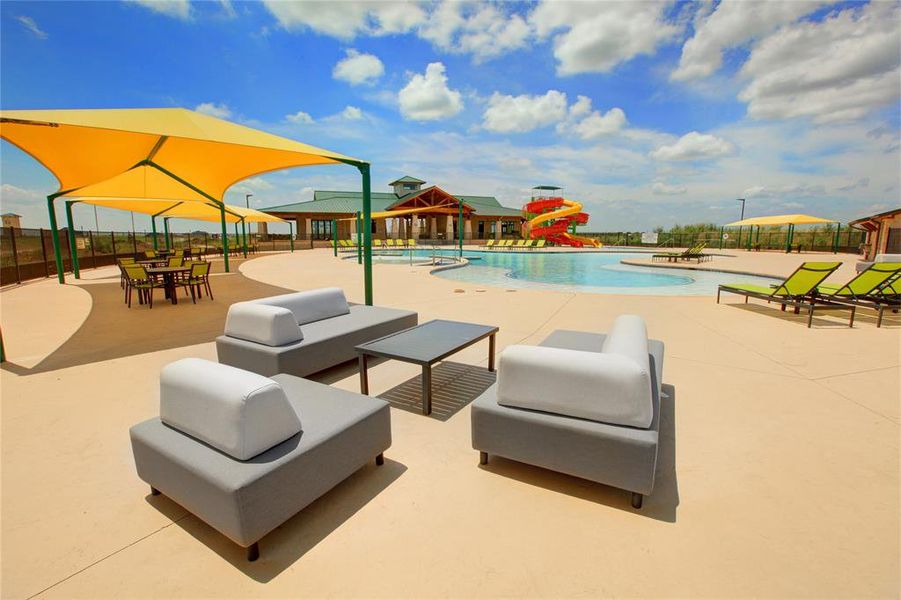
(12, 239)
(44, 254)
(838, 230)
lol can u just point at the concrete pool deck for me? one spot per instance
(780, 476)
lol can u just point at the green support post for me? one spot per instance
(153, 227)
(166, 232)
(55, 236)
(460, 229)
(360, 238)
(237, 235)
(291, 234)
(73, 247)
(224, 236)
(244, 237)
(788, 240)
(751, 235)
(838, 228)
(335, 236)
(722, 232)
(367, 232)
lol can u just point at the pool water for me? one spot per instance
(591, 272)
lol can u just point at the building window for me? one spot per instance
(410, 186)
(322, 230)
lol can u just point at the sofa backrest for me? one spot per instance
(238, 412)
(888, 258)
(313, 305)
(261, 323)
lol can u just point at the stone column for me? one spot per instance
(497, 229)
(263, 230)
(353, 227)
(467, 229)
(307, 228)
(402, 228)
(414, 227)
(433, 227)
(380, 231)
(449, 227)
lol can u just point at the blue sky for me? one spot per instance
(651, 113)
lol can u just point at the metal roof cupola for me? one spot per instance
(406, 185)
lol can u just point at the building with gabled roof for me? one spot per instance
(484, 216)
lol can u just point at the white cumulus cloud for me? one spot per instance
(357, 68)
(519, 114)
(836, 70)
(662, 189)
(178, 9)
(588, 124)
(734, 23)
(299, 118)
(594, 37)
(483, 30)
(220, 111)
(346, 20)
(694, 146)
(427, 97)
(351, 113)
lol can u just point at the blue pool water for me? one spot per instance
(594, 272)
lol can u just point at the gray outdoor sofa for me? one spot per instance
(245, 453)
(304, 332)
(584, 404)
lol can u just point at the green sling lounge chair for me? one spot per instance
(798, 290)
(875, 287)
(541, 243)
(675, 256)
(489, 244)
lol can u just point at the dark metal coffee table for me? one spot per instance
(425, 345)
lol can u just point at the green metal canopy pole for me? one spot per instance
(788, 240)
(73, 249)
(166, 231)
(367, 232)
(460, 229)
(224, 236)
(751, 235)
(838, 228)
(359, 238)
(237, 236)
(721, 237)
(291, 235)
(55, 236)
(153, 227)
(335, 236)
(244, 237)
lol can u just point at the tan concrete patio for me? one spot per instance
(779, 476)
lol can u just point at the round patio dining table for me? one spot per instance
(169, 275)
(153, 262)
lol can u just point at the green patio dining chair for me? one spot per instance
(198, 280)
(137, 278)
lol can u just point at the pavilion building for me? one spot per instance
(883, 233)
(484, 217)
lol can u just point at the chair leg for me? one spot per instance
(253, 552)
(483, 458)
(150, 296)
(637, 500)
(380, 459)
(209, 290)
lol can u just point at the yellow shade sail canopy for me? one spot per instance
(196, 211)
(781, 220)
(389, 214)
(85, 147)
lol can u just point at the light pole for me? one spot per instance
(247, 204)
(742, 218)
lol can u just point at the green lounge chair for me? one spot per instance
(541, 243)
(874, 287)
(519, 244)
(675, 256)
(798, 290)
(389, 242)
(530, 244)
(489, 244)
(411, 243)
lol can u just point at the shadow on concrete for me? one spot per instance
(290, 541)
(661, 504)
(824, 319)
(112, 330)
(454, 386)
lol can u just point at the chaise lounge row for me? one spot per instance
(247, 443)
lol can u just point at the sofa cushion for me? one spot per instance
(310, 306)
(261, 323)
(608, 388)
(629, 337)
(238, 412)
(881, 258)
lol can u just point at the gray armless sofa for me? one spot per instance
(584, 404)
(245, 452)
(303, 332)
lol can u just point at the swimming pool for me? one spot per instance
(589, 272)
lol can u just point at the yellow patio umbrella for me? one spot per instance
(775, 220)
(159, 153)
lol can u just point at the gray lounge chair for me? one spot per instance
(584, 404)
(245, 453)
(304, 332)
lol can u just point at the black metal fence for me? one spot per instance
(813, 240)
(28, 253)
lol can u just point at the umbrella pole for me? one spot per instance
(291, 234)
(73, 250)
(460, 229)
(244, 237)
(55, 236)
(224, 236)
(153, 227)
(367, 232)
(359, 240)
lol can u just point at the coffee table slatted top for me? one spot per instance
(428, 343)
